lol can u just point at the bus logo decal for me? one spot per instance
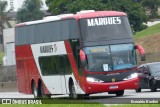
(48, 48)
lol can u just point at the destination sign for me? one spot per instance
(98, 50)
(103, 21)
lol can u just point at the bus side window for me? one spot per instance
(49, 65)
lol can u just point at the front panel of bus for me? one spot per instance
(110, 54)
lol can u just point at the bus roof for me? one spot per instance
(79, 15)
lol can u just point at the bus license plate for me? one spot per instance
(113, 87)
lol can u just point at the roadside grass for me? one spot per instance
(83, 105)
(1, 56)
(149, 31)
(58, 102)
(149, 40)
(136, 105)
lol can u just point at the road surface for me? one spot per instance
(104, 98)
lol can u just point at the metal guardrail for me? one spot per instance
(7, 73)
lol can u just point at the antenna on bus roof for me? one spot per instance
(85, 11)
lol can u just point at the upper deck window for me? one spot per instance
(47, 32)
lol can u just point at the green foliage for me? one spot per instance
(82, 105)
(1, 56)
(30, 11)
(79, 5)
(57, 6)
(55, 105)
(136, 105)
(72, 6)
(135, 11)
(152, 6)
(149, 31)
(3, 15)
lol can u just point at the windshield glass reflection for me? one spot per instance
(108, 58)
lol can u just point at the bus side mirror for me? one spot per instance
(141, 51)
(83, 58)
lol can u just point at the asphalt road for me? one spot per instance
(105, 98)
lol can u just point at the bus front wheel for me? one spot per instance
(73, 94)
(41, 92)
(72, 91)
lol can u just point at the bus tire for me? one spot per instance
(152, 84)
(41, 92)
(119, 93)
(34, 90)
(72, 90)
(82, 96)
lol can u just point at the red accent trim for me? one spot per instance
(27, 70)
(80, 79)
(94, 87)
(21, 24)
(71, 59)
(96, 14)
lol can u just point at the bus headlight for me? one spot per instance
(90, 79)
(134, 75)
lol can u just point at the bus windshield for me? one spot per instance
(111, 57)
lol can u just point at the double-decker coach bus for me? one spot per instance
(76, 54)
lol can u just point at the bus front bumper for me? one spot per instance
(98, 87)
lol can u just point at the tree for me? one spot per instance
(30, 11)
(79, 5)
(152, 6)
(72, 6)
(135, 11)
(3, 17)
(57, 6)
